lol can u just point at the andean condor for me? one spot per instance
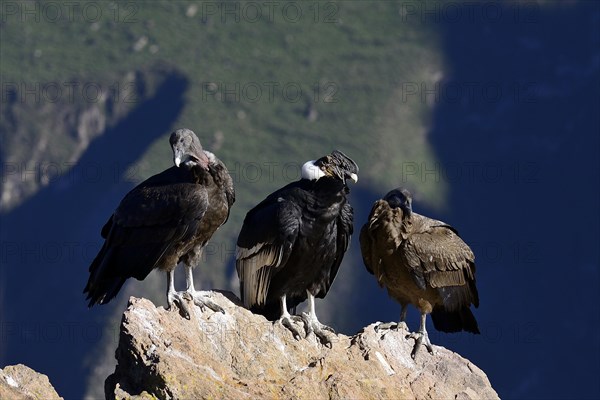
(292, 243)
(422, 262)
(165, 220)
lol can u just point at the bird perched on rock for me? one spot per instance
(422, 262)
(292, 243)
(165, 220)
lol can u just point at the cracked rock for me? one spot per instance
(240, 355)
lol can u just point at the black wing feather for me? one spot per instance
(345, 229)
(264, 244)
(155, 216)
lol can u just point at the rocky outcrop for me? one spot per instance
(19, 382)
(239, 355)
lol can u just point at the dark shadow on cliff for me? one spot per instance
(52, 237)
(517, 135)
(516, 132)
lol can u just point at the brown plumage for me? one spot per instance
(423, 262)
(165, 220)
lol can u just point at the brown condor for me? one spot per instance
(422, 262)
(165, 220)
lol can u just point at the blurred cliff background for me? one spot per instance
(487, 111)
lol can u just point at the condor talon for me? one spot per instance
(287, 321)
(312, 324)
(421, 338)
(176, 299)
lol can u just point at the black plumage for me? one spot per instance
(164, 220)
(423, 262)
(292, 243)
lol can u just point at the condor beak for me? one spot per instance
(177, 157)
(354, 177)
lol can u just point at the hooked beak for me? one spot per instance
(177, 157)
(181, 157)
(354, 177)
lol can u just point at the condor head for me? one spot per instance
(187, 149)
(335, 165)
(400, 197)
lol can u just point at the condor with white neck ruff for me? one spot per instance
(292, 243)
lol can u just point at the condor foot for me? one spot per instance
(179, 300)
(202, 300)
(421, 338)
(287, 321)
(391, 326)
(321, 331)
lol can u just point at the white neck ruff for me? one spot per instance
(311, 172)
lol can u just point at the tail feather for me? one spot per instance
(103, 283)
(454, 321)
(115, 264)
(104, 292)
(271, 311)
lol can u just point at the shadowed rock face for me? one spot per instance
(18, 382)
(242, 355)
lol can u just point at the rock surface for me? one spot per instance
(239, 355)
(19, 382)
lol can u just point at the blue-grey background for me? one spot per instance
(487, 111)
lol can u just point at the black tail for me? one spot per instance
(271, 311)
(102, 286)
(454, 321)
